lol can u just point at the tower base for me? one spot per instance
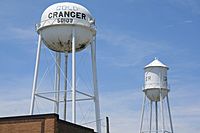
(155, 119)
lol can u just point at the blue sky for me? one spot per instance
(130, 34)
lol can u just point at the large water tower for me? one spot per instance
(156, 90)
(67, 28)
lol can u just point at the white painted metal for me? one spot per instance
(45, 98)
(156, 109)
(95, 83)
(55, 87)
(150, 123)
(36, 74)
(170, 117)
(80, 100)
(142, 114)
(65, 87)
(73, 78)
(156, 89)
(52, 92)
(155, 78)
(162, 112)
(58, 22)
(79, 13)
(156, 63)
(57, 81)
(61, 35)
(85, 94)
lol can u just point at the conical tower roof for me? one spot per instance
(156, 63)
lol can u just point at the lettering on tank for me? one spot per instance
(66, 14)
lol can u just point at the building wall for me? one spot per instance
(64, 126)
(34, 127)
(49, 123)
(28, 125)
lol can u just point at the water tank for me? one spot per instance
(155, 80)
(60, 20)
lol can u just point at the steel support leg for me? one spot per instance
(65, 87)
(142, 114)
(156, 109)
(57, 82)
(170, 118)
(95, 83)
(36, 74)
(73, 78)
(150, 117)
(162, 111)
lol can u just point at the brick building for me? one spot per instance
(47, 123)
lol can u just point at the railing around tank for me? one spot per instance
(52, 21)
(154, 131)
(157, 84)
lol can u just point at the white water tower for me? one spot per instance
(67, 28)
(156, 90)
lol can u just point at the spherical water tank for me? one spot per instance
(58, 23)
(156, 80)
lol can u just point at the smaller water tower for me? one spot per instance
(156, 90)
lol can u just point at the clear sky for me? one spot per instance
(130, 33)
